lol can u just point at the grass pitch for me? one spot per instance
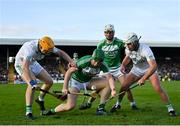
(152, 110)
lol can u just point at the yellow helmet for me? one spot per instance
(46, 44)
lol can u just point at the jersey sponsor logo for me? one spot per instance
(111, 50)
(136, 57)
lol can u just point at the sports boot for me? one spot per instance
(29, 116)
(47, 113)
(172, 113)
(134, 107)
(115, 108)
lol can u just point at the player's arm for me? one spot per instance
(125, 62)
(66, 57)
(67, 77)
(109, 77)
(111, 84)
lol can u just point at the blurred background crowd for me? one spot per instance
(168, 70)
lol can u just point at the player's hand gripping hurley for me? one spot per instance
(131, 87)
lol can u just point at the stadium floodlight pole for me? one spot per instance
(131, 87)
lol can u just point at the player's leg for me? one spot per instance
(47, 80)
(103, 90)
(129, 95)
(69, 105)
(29, 99)
(71, 101)
(74, 86)
(88, 104)
(129, 79)
(131, 99)
(98, 87)
(29, 92)
(157, 87)
(102, 87)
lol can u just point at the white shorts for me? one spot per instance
(116, 72)
(139, 72)
(76, 84)
(35, 68)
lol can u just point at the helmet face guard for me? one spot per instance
(46, 45)
(133, 39)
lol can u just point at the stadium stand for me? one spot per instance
(167, 56)
(169, 70)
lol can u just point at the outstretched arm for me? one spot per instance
(66, 57)
(111, 84)
(67, 78)
(125, 62)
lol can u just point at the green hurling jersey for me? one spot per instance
(85, 71)
(114, 52)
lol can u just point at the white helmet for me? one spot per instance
(131, 38)
(109, 27)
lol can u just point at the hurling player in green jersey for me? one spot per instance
(84, 77)
(114, 49)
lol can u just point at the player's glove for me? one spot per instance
(34, 85)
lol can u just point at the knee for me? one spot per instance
(49, 82)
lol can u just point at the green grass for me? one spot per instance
(152, 110)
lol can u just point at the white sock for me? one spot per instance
(41, 98)
(118, 103)
(132, 103)
(170, 108)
